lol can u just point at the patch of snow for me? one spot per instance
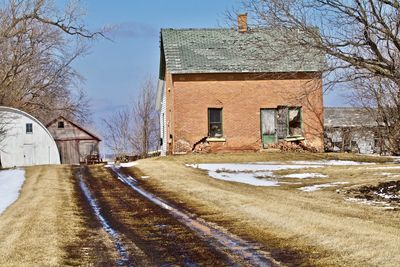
(318, 162)
(261, 173)
(128, 164)
(312, 188)
(256, 174)
(378, 204)
(248, 167)
(245, 178)
(305, 175)
(10, 184)
(387, 196)
(330, 162)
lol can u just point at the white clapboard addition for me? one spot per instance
(26, 140)
(161, 106)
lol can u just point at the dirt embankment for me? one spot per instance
(151, 236)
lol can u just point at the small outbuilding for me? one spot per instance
(352, 129)
(25, 141)
(76, 144)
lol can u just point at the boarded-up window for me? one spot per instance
(215, 122)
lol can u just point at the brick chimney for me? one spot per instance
(242, 22)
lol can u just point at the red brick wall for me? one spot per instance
(241, 96)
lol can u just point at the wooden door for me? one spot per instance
(268, 126)
(69, 152)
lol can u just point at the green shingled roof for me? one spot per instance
(228, 51)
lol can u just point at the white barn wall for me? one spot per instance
(24, 149)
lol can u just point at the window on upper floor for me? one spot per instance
(29, 128)
(61, 124)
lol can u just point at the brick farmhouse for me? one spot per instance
(237, 89)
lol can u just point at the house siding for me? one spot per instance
(163, 122)
(241, 96)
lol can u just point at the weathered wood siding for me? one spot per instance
(69, 151)
(69, 131)
(74, 143)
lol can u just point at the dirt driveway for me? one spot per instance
(89, 216)
(148, 235)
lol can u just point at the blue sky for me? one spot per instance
(114, 70)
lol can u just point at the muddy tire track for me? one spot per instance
(148, 233)
(239, 251)
(92, 247)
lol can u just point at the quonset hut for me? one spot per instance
(24, 140)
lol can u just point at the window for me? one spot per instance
(289, 122)
(60, 124)
(294, 122)
(215, 122)
(29, 128)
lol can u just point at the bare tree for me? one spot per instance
(38, 44)
(380, 98)
(118, 132)
(361, 41)
(145, 135)
(135, 130)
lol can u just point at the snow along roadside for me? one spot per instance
(10, 184)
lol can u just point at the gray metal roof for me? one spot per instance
(228, 51)
(348, 117)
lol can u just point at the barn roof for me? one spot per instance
(348, 117)
(228, 51)
(75, 124)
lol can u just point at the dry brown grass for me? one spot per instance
(37, 229)
(319, 228)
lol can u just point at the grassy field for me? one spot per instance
(320, 228)
(49, 224)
